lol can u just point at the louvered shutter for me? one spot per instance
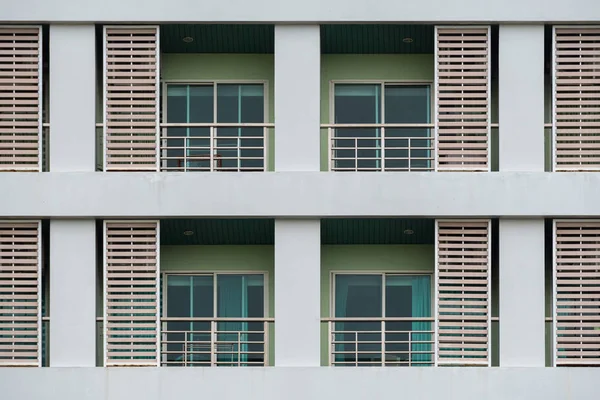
(131, 279)
(20, 98)
(463, 282)
(20, 293)
(131, 90)
(577, 292)
(576, 93)
(462, 90)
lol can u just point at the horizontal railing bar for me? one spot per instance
(216, 125)
(377, 319)
(218, 319)
(407, 125)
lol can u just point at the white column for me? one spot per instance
(297, 97)
(521, 97)
(297, 292)
(72, 293)
(72, 98)
(522, 293)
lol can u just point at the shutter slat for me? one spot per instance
(463, 274)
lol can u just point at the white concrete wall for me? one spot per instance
(299, 383)
(522, 294)
(72, 293)
(72, 98)
(521, 97)
(297, 97)
(297, 293)
(300, 11)
(300, 194)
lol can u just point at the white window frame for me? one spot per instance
(383, 84)
(215, 82)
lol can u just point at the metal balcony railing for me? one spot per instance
(380, 147)
(214, 146)
(381, 341)
(204, 342)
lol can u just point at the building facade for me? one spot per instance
(410, 191)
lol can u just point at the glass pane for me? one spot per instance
(176, 103)
(407, 104)
(201, 104)
(240, 296)
(240, 103)
(357, 104)
(358, 295)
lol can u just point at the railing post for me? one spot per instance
(185, 348)
(409, 158)
(330, 148)
(410, 339)
(382, 144)
(331, 344)
(382, 343)
(355, 154)
(265, 148)
(213, 346)
(356, 348)
(211, 148)
(239, 348)
(266, 343)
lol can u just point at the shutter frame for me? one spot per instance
(20, 258)
(575, 69)
(572, 269)
(21, 110)
(131, 117)
(462, 145)
(463, 266)
(131, 261)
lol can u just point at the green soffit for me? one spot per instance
(260, 39)
(237, 231)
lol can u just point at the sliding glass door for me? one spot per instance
(208, 319)
(380, 319)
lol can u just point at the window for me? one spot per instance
(216, 135)
(382, 319)
(208, 320)
(377, 140)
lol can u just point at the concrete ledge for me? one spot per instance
(295, 383)
(319, 11)
(299, 194)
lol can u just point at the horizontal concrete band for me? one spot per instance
(317, 383)
(299, 194)
(319, 11)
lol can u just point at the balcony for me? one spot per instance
(188, 147)
(215, 342)
(383, 342)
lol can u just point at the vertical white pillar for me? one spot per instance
(72, 98)
(522, 294)
(521, 97)
(72, 293)
(297, 97)
(297, 292)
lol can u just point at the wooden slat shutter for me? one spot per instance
(131, 329)
(462, 90)
(577, 292)
(20, 98)
(576, 92)
(463, 282)
(131, 90)
(20, 293)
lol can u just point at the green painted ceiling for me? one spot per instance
(376, 39)
(335, 39)
(217, 38)
(261, 231)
